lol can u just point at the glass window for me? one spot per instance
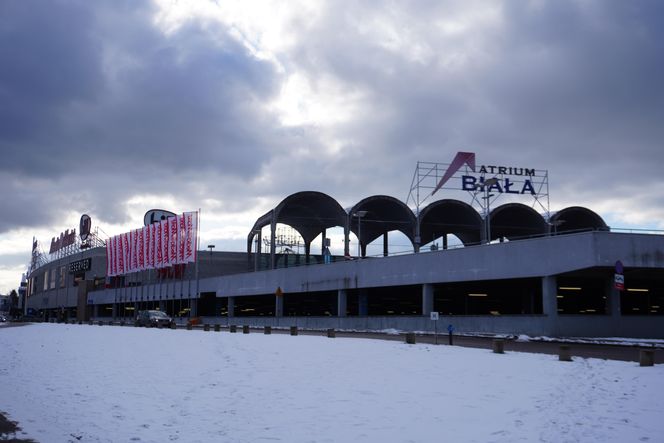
(63, 275)
(52, 274)
(46, 280)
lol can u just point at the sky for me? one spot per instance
(112, 108)
(161, 385)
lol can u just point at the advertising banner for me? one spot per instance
(161, 244)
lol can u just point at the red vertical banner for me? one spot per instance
(173, 240)
(109, 258)
(146, 247)
(127, 252)
(134, 251)
(120, 250)
(149, 247)
(181, 227)
(153, 245)
(140, 255)
(159, 257)
(115, 255)
(163, 227)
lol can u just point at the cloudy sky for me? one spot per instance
(112, 108)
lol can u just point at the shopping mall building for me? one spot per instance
(513, 271)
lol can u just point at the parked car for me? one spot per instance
(3, 319)
(153, 318)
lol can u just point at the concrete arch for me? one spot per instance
(516, 220)
(575, 219)
(448, 216)
(383, 214)
(309, 212)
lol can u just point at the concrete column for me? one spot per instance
(342, 298)
(278, 305)
(193, 306)
(231, 306)
(363, 303)
(115, 311)
(549, 293)
(427, 299)
(612, 300)
(162, 305)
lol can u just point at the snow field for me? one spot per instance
(108, 384)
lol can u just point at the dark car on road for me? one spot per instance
(153, 318)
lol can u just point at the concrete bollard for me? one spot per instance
(122, 323)
(101, 323)
(410, 338)
(189, 327)
(267, 330)
(564, 353)
(232, 328)
(206, 327)
(331, 333)
(293, 330)
(646, 357)
(217, 327)
(499, 346)
(173, 325)
(80, 322)
(245, 329)
(90, 322)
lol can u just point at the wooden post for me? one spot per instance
(499, 346)
(564, 353)
(410, 338)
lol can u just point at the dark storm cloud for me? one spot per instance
(573, 87)
(98, 99)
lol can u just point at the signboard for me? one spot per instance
(80, 265)
(156, 215)
(84, 227)
(66, 239)
(510, 179)
(434, 316)
(619, 282)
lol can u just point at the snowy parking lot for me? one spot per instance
(106, 384)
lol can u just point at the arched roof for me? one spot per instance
(308, 212)
(384, 214)
(516, 220)
(450, 217)
(577, 218)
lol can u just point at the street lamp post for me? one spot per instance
(485, 188)
(359, 215)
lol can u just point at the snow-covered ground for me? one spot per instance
(91, 383)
